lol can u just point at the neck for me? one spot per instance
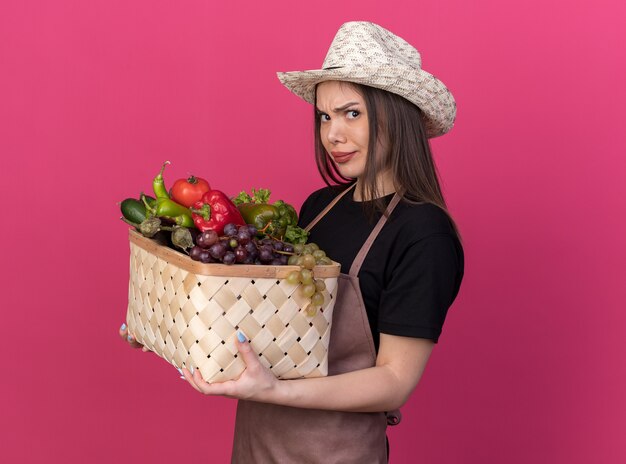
(384, 186)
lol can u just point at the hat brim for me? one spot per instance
(417, 86)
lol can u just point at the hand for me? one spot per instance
(130, 338)
(255, 383)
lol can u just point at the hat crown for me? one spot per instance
(364, 44)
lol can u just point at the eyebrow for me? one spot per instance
(339, 109)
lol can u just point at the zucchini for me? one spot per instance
(133, 210)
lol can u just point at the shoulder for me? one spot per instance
(423, 233)
(421, 220)
(316, 202)
(325, 194)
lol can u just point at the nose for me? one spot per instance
(335, 131)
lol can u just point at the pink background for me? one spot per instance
(96, 94)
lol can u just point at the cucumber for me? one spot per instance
(133, 210)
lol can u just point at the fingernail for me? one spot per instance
(129, 338)
(240, 336)
(123, 326)
(191, 369)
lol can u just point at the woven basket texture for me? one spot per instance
(191, 319)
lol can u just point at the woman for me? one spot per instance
(402, 262)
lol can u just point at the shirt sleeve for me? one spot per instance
(422, 286)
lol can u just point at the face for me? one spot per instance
(344, 128)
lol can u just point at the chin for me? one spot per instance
(351, 172)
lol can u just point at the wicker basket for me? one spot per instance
(188, 313)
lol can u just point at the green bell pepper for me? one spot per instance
(277, 220)
(265, 217)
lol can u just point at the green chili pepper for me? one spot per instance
(167, 208)
(159, 185)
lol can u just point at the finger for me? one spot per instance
(247, 354)
(217, 388)
(189, 379)
(132, 342)
(124, 333)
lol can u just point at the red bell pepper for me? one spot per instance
(214, 210)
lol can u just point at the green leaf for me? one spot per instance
(243, 197)
(260, 195)
(295, 235)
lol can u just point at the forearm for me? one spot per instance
(366, 390)
(399, 366)
(384, 387)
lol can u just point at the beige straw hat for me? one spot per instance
(365, 53)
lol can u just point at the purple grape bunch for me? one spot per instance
(240, 245)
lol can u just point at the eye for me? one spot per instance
(353, 114)
(323, 117)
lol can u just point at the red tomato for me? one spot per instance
(188, 191)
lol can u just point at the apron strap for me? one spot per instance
(325, 210)
(360, 257)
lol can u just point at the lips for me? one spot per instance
(342, 156)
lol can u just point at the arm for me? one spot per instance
(400, 361)
(384, 387)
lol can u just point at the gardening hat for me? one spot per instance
(365, 53)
